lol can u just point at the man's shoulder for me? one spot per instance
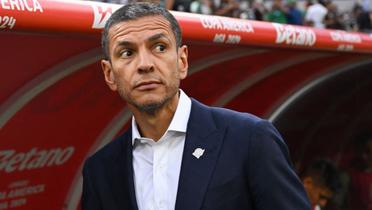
(230, 117)
(234, 116)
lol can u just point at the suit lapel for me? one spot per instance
(123, 174)
(196, 173)
(130, 174)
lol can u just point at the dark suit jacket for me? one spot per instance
(245, 165)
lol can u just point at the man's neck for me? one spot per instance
(154, 125)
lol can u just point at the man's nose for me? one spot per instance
(145, 63)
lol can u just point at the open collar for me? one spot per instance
(179, 120)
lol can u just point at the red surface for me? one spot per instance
(88, 17)
(28, 55)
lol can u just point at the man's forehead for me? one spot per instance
(143, 23)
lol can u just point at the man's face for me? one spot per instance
(146, 65)
(323, 196)
(318, 194)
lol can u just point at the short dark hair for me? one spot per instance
(135, 11)
(324, 173)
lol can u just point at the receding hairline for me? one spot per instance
(158, 35)
(137, 11)
(169, 24)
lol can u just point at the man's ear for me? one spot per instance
(308, 182)
(183, 64)
(109, 75)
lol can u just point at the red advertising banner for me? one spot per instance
(89, 17)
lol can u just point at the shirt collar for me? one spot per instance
(179, 120)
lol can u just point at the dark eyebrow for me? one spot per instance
(156, 37)
(125, 43)
(151, 39)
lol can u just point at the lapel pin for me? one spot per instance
(198, 152)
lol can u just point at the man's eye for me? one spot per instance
(126, 53)
(160, 48)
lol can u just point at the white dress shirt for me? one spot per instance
(157, 165)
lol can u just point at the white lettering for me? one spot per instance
(14, 3)
(7, 22)
(3, 4)
(341, 36)
(18, 202)
(64, 155)
(30, 190)
(12, 164)
(11, 161)
(219, 38)
(226, 24)
(345, 47)
(211, 23)
(237, 26)
(20, 183)
(4, 157)
(294, 35)
(233, 39)
(27, 6)
(37, 6)
(101, 15)
(27, 158)
(21, 5)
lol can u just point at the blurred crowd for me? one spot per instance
(316, 13)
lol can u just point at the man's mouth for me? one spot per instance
(147, 85)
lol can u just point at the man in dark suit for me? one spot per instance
(178, 153)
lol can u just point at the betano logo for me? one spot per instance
(10, 160)
(101, 14)
(294, 35)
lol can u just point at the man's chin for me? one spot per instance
(150, 104)
(149, 108)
